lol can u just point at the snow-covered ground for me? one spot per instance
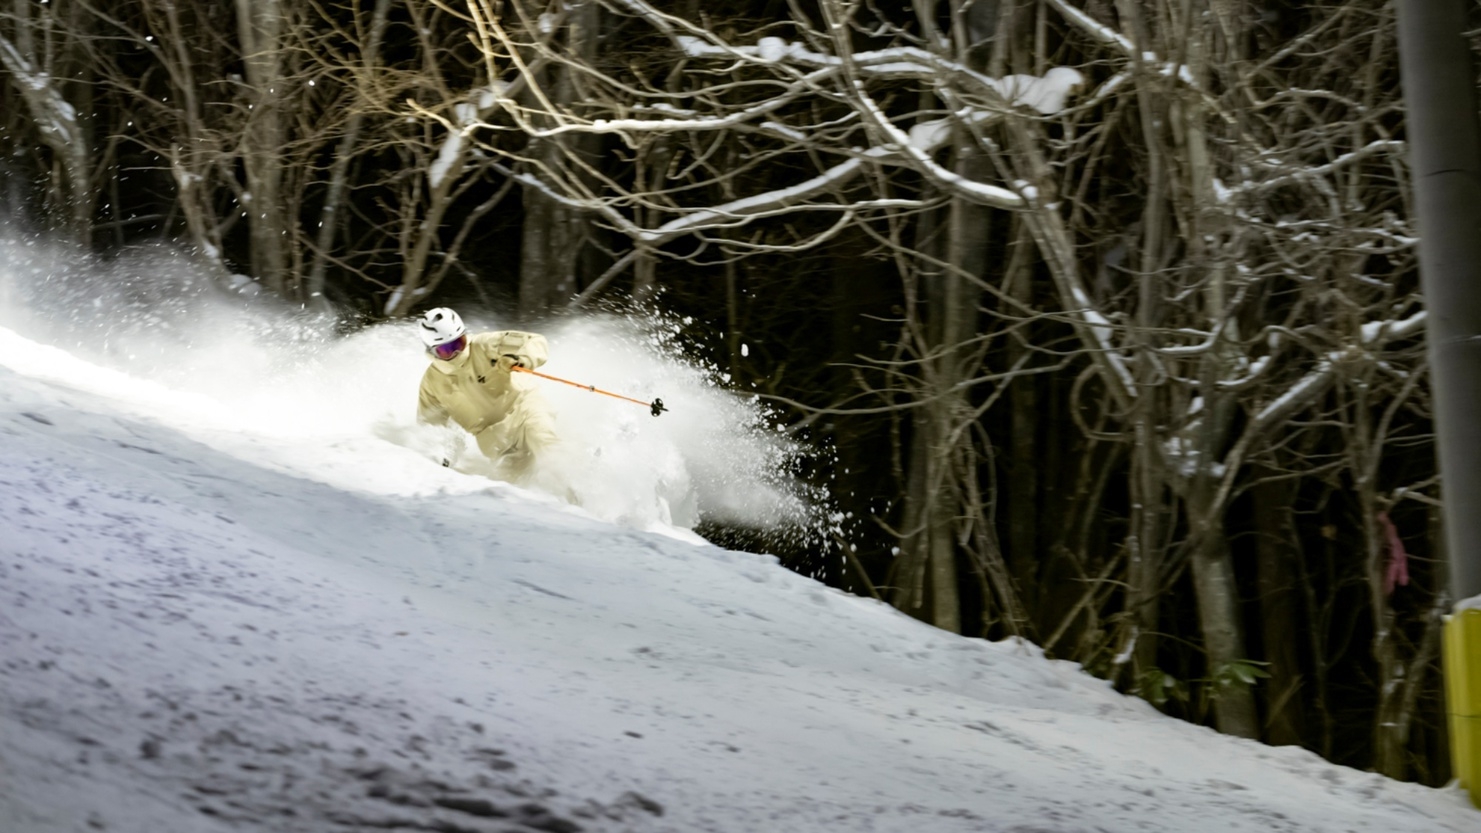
(226, 605)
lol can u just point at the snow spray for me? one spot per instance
(335, 401)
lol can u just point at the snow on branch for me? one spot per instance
(916, 146)
(1313, 171)
(804, 70)
(978, 192)
(1101, 330)
(766, 51)
(1297, 396)
(451, 153)
(1374, 331)
(1110, 37)
(749, 208)
(696, 123)
(467, 116)
(660, 21)
(597, 206)
(1093, 28)
(1252, 371)
(1047, 94)
(56, 117)
(1208, 340)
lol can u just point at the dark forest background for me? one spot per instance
(1107, 309)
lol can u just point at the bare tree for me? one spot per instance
(42, 50)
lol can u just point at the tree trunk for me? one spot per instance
(1277, 553)
(946, 603)
(1144, 545)
(952, 311)
(1214, 583)
(1210, 252)
(1148, 508)
(1022, 498)
(554, 234)
(952, 299)
(551, 242)
(260, 24)
(1390, 726)
(1223, 635)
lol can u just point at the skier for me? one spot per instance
(472, 382)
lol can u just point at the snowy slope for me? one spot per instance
(209, 622)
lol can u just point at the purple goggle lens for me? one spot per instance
(448, 349)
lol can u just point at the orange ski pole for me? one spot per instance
(655, 407)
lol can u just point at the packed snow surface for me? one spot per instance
(214, 616)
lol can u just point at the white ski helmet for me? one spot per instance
(441, 325)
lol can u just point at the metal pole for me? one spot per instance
(1444, 137)
(655, 407)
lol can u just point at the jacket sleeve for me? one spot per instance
(530, 348)
(429, 410)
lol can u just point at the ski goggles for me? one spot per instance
(449, 349)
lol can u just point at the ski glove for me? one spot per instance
(508, 361)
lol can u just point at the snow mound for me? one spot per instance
(303, 393)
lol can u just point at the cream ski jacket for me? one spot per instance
(503, 410)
